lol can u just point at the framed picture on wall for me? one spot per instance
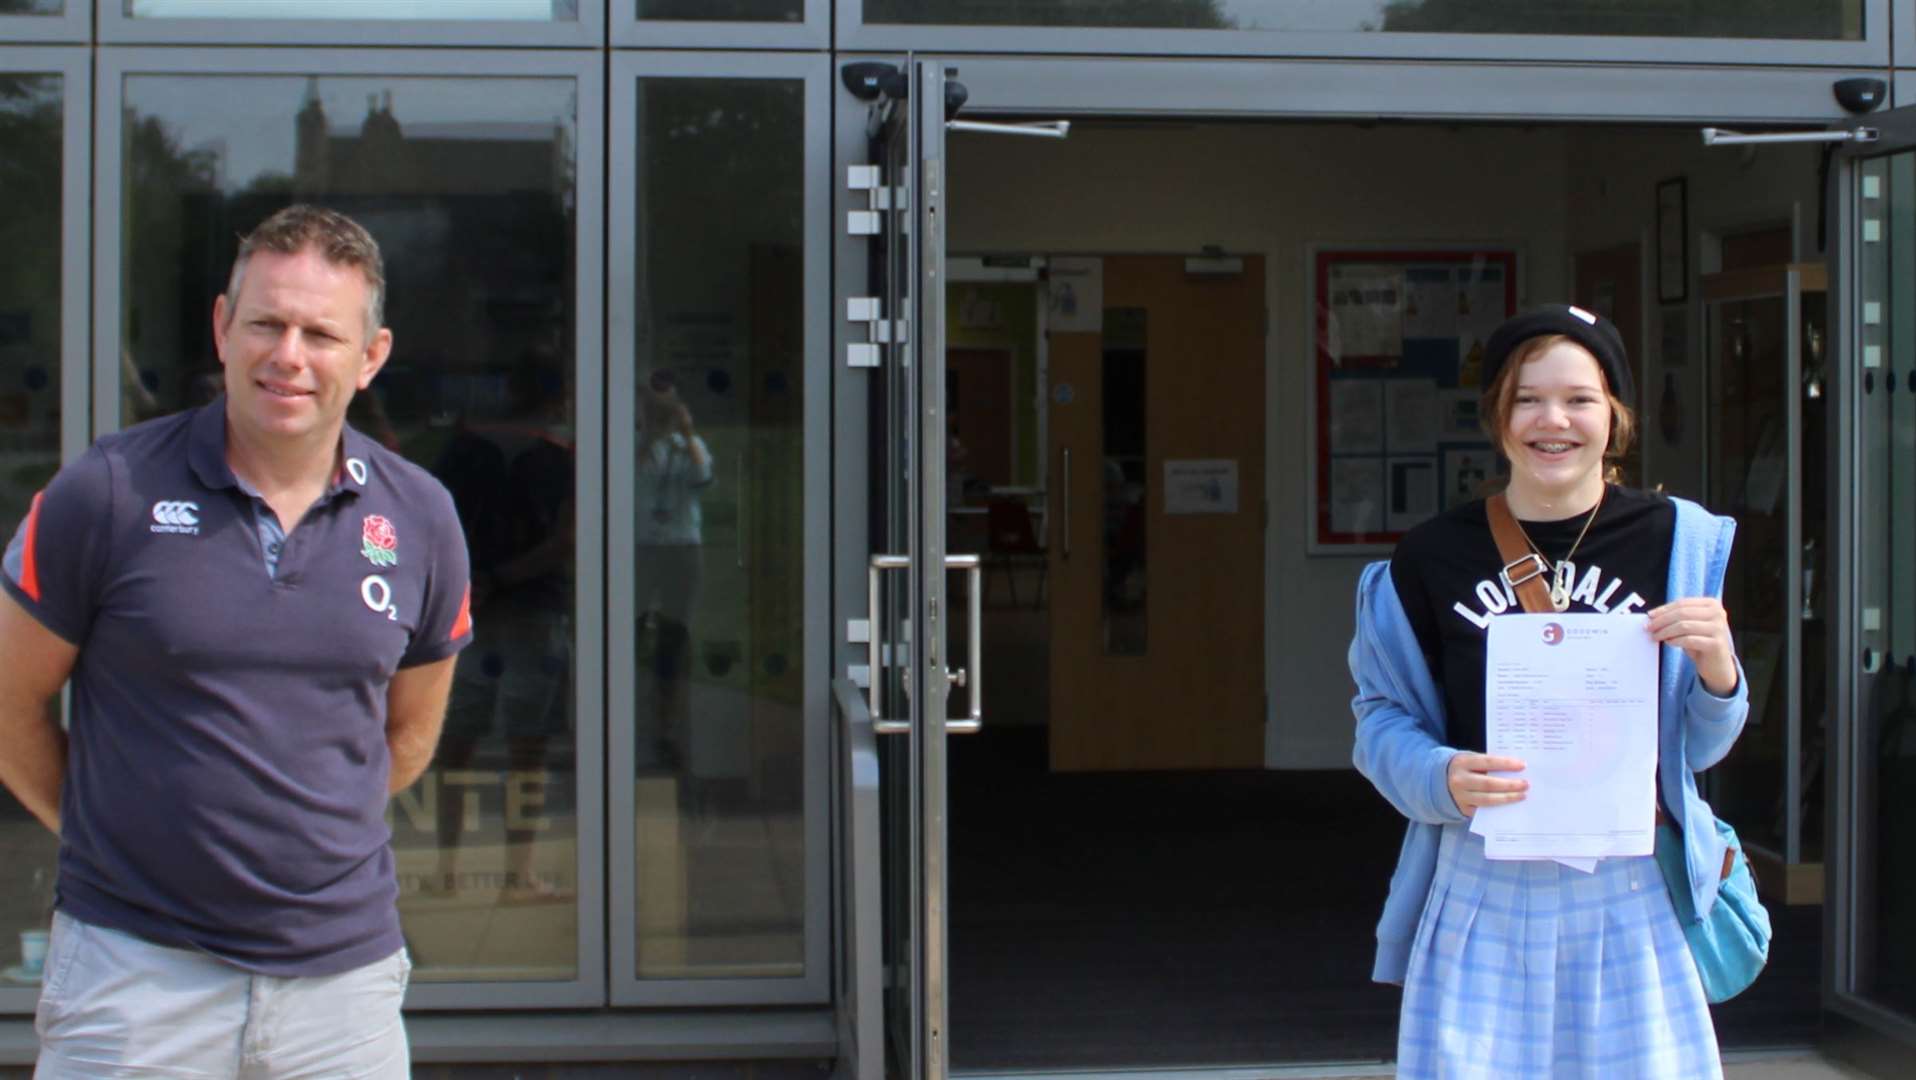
(1673, 241)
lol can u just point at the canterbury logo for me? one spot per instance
(174, 516)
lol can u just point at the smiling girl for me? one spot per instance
(1533, 968)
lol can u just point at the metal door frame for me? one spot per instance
(625, 222)
(1323, 90)
(115, 65)
(1865, 1029)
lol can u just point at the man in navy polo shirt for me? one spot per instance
(259, 610)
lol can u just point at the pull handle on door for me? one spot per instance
(971, 676)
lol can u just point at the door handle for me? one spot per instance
(971, 676)
(1065, 518)
(875, 646)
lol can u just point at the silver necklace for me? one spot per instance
(1560, 570)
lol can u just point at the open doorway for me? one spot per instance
(1160, 854)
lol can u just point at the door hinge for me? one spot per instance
(869, 221)
(869, 311)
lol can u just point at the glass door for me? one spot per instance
(913, 671)
(1872, 869)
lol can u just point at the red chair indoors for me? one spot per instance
(1010, 541)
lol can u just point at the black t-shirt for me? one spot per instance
(1446, 574)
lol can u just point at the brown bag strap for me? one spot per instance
(1524, 569)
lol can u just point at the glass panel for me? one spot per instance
(459, 10)
(32, 7)
(724, 10)
(32, 116)
(1125, 481)
(1748, 475)
(1813, 383)
(469, 186)
(1885, 953)
(1812, 19)
(719, 490)
(894, 411)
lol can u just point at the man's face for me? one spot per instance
(296, 348)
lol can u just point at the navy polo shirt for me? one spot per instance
(227, 764)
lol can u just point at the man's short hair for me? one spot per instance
(339, 240)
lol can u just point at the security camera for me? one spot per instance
(1860, 95)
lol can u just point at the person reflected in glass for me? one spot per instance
(1532, 968)
(673, 471)
(511, 481)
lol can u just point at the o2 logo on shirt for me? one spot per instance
(378, 594)
(1552, 633)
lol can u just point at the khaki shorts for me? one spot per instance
(114, 1005)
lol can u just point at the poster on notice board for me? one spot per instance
(1397, 342)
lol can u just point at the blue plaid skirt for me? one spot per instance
(1535, 970)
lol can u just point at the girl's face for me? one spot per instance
(1559, 422)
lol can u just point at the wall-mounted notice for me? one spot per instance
(1200, 486)
(1074, 295)
(1398, 340)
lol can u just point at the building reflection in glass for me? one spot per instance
(723, 10)
(1809, 19)
(718, 485)
(32, 114)
(469, 186)
(484, 10)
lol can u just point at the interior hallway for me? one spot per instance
(1146, 920)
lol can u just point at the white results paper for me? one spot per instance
(1574, 696)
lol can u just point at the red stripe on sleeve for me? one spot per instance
(29, 567)
(461, 623)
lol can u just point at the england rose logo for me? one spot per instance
(380, 542)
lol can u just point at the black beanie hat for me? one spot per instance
(1581, 325)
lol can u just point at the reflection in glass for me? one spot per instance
(31, 119)
(1885, 948)
(1811, 682)
(1125, 482)
(469, 187)
(1811, 19)
(724, 10)
(719, 488)
(1748, 471)
(32, 7)
(896, 496)
(460, 10)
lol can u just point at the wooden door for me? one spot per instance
(1188, 693)
(978, 396)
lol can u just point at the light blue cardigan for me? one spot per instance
(1400, 731)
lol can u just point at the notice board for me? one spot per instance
(1397, 341)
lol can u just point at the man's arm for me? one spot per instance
(415, 711)
(33, 749)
